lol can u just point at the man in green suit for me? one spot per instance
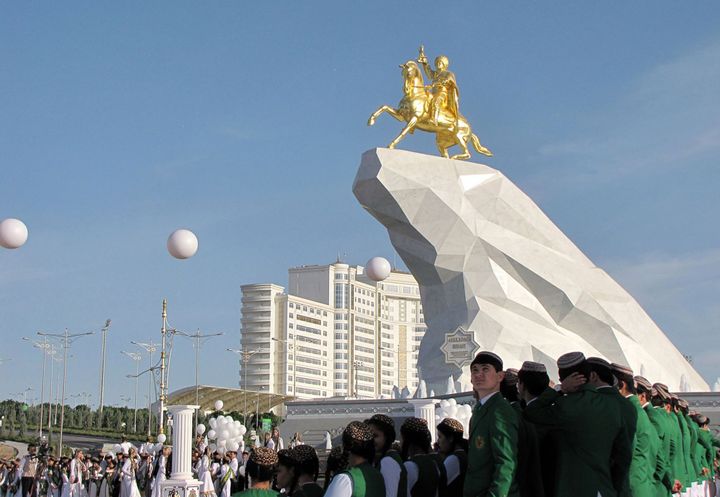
(533, 380)
(677, 468)
(493, 438)
(705, 441)
(601, 377)
(662, 480)
(684, 463)
(589, 431)
(646, 442)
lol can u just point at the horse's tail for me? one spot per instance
(478, 146)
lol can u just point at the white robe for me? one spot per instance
(160, 477)
(128, 484)
(205, 475)
(66, 485)
(77, 489)
(225, 490)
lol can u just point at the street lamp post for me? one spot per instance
(244, 358)
(44, 347)
(356, 365)
(102, 367)
(150, 348)
(66, 339)
(135, 357)
(198, 340)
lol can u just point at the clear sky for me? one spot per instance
(245, 121)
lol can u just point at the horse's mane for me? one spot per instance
(408, 79)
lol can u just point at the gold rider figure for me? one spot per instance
(445, 93)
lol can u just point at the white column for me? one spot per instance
(425, 409)
(182, 441)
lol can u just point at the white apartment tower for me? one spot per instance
(333, 333)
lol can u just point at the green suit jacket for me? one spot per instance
(590, 435)
(644, 458)
(694, 468)
(676, 453)
(493, 449)
(662, 479)
(621, 475)
(685, 463)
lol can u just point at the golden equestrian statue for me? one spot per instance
(433, 108)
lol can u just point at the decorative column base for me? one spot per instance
(425, 409)
(180, 488)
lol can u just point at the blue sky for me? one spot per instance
(245, 123)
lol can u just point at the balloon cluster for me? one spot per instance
(451, 409)
(225, 432)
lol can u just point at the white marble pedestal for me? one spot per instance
(181, 482)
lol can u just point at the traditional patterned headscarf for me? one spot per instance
(358, 439)
(306, 460)
(450, 427)
(386, 425)
(415, 431)
(263, 456)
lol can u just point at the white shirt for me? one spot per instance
(486, 398)
(391, 472)
(452, 467)
(340, 486)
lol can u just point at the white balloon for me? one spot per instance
(221, 450)
(452, 411)
(213, 423)
(452, 402)
(212, 447)
(212, 435)
(161, 438)
(378, 268)
(233, 446)
(13, 233)
(243, 430)
(200, 429)
(222, 443)
(218, 405)
(224, 435)
(182, 244)
(444, 404)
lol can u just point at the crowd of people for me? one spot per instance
(600, 432)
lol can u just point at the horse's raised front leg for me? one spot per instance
(385, 108)
(407, 129)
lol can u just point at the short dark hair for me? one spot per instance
(260, 473)
(604, 373)
(582, 367)
(534, 382)
(628, 380)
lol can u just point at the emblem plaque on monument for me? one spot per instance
(460, 347)
(490, 264)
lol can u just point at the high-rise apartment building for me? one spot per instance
(334, 332)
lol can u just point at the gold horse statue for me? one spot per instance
(428, 108)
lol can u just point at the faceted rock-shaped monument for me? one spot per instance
(496, 274)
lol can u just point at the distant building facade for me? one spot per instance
(332, 333)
